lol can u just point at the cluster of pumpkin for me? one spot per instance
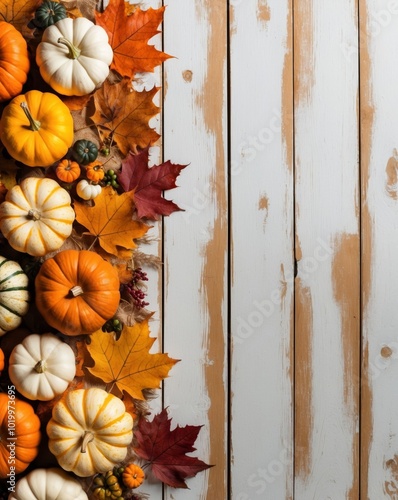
(90, 429)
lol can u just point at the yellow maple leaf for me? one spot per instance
(127, 362)
(110, 220)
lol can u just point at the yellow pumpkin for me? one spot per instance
(36, 216)
(36, 128)
(89, 431)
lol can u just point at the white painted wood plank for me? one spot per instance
(195, 241)
(262, 250)
(327, 250)
(379, 117)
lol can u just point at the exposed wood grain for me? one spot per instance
(366, 120)
(346, 281)
(262, 250)
(214, 279)
(327, 217)
(379, 105)
(304, 418)
(196, 240)
(342, 264)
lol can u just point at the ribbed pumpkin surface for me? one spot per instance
(14, 295)
(14, 61)
(89, 431)
(36, 216)
(26, 435)
(77, 291)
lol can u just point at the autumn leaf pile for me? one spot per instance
(119, 119)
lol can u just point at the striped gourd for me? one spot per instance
(36, 216)
(14, 295)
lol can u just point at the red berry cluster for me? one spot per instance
(134, 288)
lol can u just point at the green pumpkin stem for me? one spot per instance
(74, 52)
(34, 124)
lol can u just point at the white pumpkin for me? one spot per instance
(42, 366)
(89, 431)
(14, 295)
(48, 484)
(36, 216)
(86, 190)
(74, 56)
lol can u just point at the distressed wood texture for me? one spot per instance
(196, 240)
(279, 283)
(262, 266)
(327, 333)
(379, 118)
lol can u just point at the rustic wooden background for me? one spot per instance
(279, 290)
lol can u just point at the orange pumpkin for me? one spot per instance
(133, 476)
(67, 170)
(77, 292)
(95, 171)
(14, 61)
(2, 361)
(19, 434)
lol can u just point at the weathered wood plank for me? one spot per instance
(262, 249)
(327, 338)
(196, 240)
(379, 119)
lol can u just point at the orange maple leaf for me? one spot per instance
(123, 115)
(19, 13)
(127, 362)
(110, 220)
(129, 36)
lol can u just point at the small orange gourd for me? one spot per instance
(133, 476)
(19, 434)
(95, 171)
(77, 292)
(2, 361)
(67, 170)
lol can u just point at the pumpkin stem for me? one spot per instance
(87, 438)
(40, 366)
(74, 52)
(34, 124)
(76, 291)
(34, 214)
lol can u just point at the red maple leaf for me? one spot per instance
(166, 449)
(149, 183)
(129, 34)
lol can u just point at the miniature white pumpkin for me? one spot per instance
(89, 431)
(41, 366)
(87, 191)
(14, 295)
(48, 484)
(36, 216)
(74, 56)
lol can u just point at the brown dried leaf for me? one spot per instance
(123, 116)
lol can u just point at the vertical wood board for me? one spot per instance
(261, 249)
(327, 338)
(379, 105)
(195, 241)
